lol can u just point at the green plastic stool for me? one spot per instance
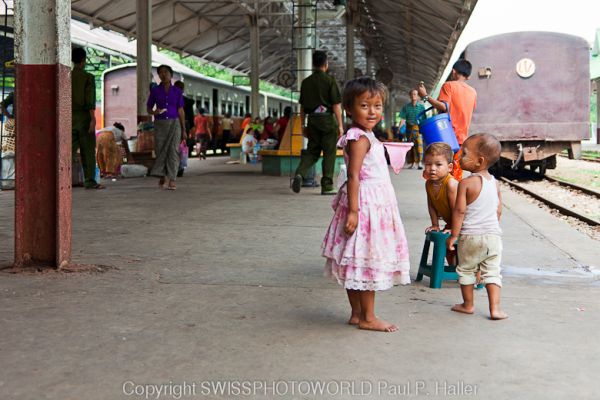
(436, 271)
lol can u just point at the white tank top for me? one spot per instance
(481, 217)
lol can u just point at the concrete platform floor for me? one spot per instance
(221, 280)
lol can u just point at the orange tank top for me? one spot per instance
(440, 202)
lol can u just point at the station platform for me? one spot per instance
(221, 280)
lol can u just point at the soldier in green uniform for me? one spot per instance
(83, 98)
(320, 100)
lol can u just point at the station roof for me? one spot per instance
(411, 39)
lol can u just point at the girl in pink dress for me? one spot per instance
(365, 244)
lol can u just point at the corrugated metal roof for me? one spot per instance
(412, 38)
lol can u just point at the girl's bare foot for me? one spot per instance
(497, 315)
(461, 308)
(354, 319)
(377, 325)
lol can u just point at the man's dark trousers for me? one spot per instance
(322, 132)
(84, 141)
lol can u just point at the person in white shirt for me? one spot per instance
(476, 224)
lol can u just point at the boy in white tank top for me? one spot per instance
(475, 218)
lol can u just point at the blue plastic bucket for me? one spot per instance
(439, 129)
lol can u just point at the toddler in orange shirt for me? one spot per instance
(440, 186)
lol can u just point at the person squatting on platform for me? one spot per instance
(475, 223)
(365, 244)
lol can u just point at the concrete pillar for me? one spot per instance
(144, 55)
(306, 40)
(349, 45)
(389, 112)
(43, 126)
(254, 66)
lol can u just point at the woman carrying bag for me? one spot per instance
(165, 103)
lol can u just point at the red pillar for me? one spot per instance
(43, 125)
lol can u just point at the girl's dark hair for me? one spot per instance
(358, 86)
(165, 66)
(119, 126)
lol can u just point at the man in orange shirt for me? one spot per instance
(203, 133)
(461, 99)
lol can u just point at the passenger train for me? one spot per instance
(217, 97)
(533, 94)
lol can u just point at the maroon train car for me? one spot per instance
(533, 94)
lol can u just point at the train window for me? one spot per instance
(229, 108)
(207, 106)
(223, 108)
(236, 110)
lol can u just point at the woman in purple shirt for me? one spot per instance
(169, 123)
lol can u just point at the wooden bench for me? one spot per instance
(284, 161)
(235, 149)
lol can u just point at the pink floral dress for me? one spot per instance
(375, 256)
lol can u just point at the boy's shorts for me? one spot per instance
(479, 252)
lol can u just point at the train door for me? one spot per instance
(215, 101)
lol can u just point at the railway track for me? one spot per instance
(554, 205)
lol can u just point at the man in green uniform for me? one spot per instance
(320, 100)
(83, 98)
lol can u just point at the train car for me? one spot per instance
(533, 93)
(217, 97)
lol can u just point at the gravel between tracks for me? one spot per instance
(580, 172)
(583, 173)
(591, 231)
